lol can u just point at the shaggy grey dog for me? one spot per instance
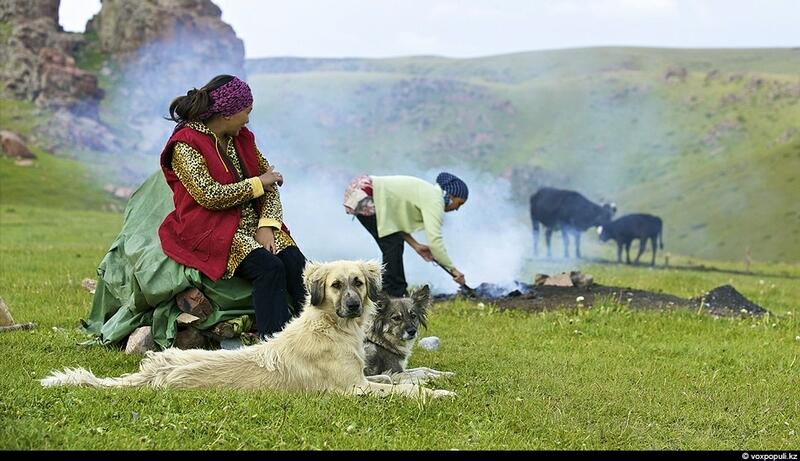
(391, 336)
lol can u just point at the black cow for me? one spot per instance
(633, 226)
(566, 210)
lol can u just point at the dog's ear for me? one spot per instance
(422, 300)
(381, 302)
(315, 275)
(372, 273)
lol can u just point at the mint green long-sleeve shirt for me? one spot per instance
(409, 204)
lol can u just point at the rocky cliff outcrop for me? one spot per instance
(125, 29)
(37, 62)
(161, 49)
(154, 50)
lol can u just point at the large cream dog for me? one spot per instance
(322, 349)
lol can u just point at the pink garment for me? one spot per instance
(229, 99)
(358, 197)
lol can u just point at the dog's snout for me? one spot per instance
(350, 305)
(409, 333)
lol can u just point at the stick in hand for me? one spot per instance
(470, 291)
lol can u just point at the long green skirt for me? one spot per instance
(137, 282)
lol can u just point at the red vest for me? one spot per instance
(195, 236)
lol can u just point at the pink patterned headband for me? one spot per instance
(229, 99)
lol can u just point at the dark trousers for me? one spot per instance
(394, 276)
(273, 276)
(294, 262)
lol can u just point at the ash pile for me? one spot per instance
(490, 291)
(725, 300)
(518, 289)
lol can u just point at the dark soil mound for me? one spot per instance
(722, 301)
(726, 298)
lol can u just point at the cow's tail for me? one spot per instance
(661, 238)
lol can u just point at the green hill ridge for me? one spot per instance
(707, 139)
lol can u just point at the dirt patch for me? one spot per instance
(725, 298)
(721, 301)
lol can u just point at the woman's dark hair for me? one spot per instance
(189, 108)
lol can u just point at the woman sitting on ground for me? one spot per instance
(228, 215)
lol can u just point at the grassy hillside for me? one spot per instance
(708, 139)
(50, 181)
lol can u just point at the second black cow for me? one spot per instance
(568, 211)
(630, 227)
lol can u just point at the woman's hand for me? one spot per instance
(271, 177)
(458, 277)
(424, 251)
(266, 237)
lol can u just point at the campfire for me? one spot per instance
(516, 288)
(576, 289)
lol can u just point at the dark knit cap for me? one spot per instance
(453, 185)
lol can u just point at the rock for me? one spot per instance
(11, 10)
(676, 74)
(183, 39)
(89, 284)
(190, 338)
(37, 64)
(193, 301)
(580, 279)
(231, 344)
(123, 192)
(37, 61)
(124, 27)
(560, 280)
(186, 319)
(119, 191)
(63, 85)
(13, 145)
(139, 41)
(140, 341)
(430, 343)
(67, 130)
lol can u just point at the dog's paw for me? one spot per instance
(384, 379)
(442, 374)
(439, 393)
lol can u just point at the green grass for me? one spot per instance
(52, 182)
(599, 378)
(90, 57)
(5, 31)
(21, 117)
